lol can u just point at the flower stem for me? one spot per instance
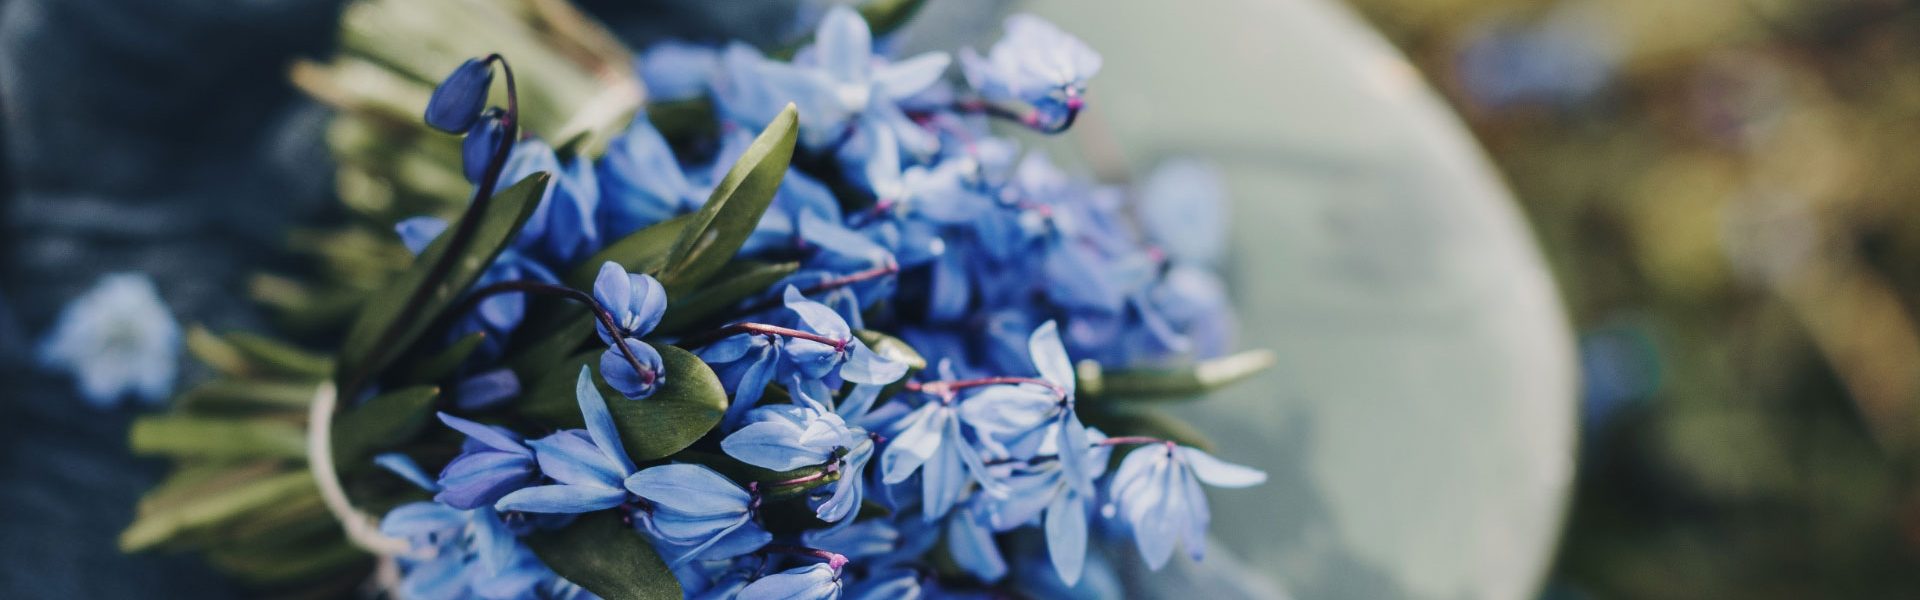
(599, 312)
(763, 329)
(1134, 439)
(833, 560)
(469, 222)
(948, 387)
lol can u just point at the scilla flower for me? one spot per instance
(1035, 63)
(118, 339)
(695, 507)
(805, 434)
(636, 302)
(492, 463)
(812, 582)
(589, 468)
(456, 102)
(1156, 493)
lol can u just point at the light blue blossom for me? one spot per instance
(747, 362)
(1040, 491)
(835, 83)
(641, 182)
(1156, 493)
(805, 434)
(492, 463)
(118, 339)
(454, 553)
(1035, 63)
(1183, 211)
(589, 468)
(486, 390)
(677, 70)
(695, 507)
(812, 582)
(563, 227)
(636, 302)
(931, 441)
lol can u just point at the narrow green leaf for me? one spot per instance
(442, 365)
(288, 559)
(280, 357)
(387, 326)
(643, 251)
(215, 352)
(731, 213)
(384, 421)
(686, 406)
(1163, 384)
(607, 557)
(737, 281)
(221, 500)
(217, 438)
(539, 359)
(246, 395)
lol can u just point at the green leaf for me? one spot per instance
(891, 347)
(721, 226)
(384, 421)
(398, 314)
(239, 394)
(214, 501)
(542, 357)
(217, 438)
(737, 281)
(443, 365)
(607, 557)
(1163, 384)
(884, 16)
(279, 357)
(685, 407)
(1144, 421)
(215, 352)
(643, 251)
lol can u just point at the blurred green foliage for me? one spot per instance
(1731, 185)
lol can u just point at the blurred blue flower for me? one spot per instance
(486, 390)
(834, 83)
(563, 228)
(118, 339)
(677, 70)
(1183, 209)
(970, 543)
(589, 467)
(493, 462)
(482, 141)
(641, 182)
(1035, 63)
(696, 507)
(1156, 493)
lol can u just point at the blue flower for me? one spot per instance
(482, 141)
(930, 441)
(697, 508)
(493, 463)
(1156, 493)
(486, 390)
(970, 543)
(1041, 491)
(805, 434)
(749, 361)
(641, 182)
(633, 382)
(589, 467)
(497, 315)
(562, 229)
(833, 82)
(456, 102)
(676, 70)
(812, 582)
(637, 301)
(1013, 412)
(117, 339)
(1035, 63)
(1183, 211)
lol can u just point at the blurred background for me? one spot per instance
(1726, 193)
(1719, 187)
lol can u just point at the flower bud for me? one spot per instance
(482, 141)
(457, 102)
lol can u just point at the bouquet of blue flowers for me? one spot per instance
(803, 323)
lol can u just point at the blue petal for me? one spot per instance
(816, 317)
(844, 46)
(908, 77)
(456, 102)
(689, 489)
(613, 292)
(497, 439)
(620, 374)
(1050, 357)
(1219, 473)
(571, 458)
(486, 390)
(971, 544)
(772, 445)
(415, 233)
(403, 465)
(593, 409)
(812, 582)
(914, 445)
(479, 478)
(561, 499)
(1066, 528)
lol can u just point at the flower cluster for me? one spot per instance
(840, 461)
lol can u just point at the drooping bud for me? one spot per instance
(456, 103)
(482, 141)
